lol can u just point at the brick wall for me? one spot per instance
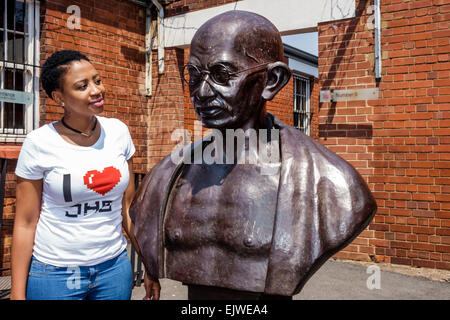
(166, 105)
(8, 217)
(184, 6)
(314, 107)
(400, 142)
(112, 36)
(282, 104)
(189, 113)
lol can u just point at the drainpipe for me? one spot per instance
(377, 40)
(160, 36)
(148, 51)
(148, 41)
(148, 45)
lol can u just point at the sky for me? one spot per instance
(304, 41)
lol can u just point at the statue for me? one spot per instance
(239, 231)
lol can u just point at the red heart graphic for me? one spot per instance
(102, 182)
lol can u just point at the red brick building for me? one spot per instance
(399, 142)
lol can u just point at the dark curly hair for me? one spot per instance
(56, 66)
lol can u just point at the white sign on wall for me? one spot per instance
(14, 96)
(349, 95)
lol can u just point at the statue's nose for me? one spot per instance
(205, 90)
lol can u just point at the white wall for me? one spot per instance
(289, 16)
(303, 67)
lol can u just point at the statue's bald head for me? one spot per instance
(248, 33)
(236, 61)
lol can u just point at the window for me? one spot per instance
(19, 63)
(302, 113)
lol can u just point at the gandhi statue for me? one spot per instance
(226, 229)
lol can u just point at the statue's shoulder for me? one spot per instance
(152, 186)
(311, 157)
(306, 149)
(164, 166)
(159, 175)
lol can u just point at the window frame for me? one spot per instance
(30, 67)
(306, 126)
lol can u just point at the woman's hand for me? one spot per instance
(152, 288)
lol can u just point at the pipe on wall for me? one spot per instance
(148, 41)
(377, 39)
(160, 36)
(148, 52)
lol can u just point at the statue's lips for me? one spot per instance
(210, 111)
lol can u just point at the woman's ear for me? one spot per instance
(278, 75)
(57, 97)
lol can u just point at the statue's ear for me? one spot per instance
(278, 75)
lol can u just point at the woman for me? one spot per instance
(75, 184)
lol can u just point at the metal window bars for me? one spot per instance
(19, 60)
(136, 262)
(302, 113)
(4, 164)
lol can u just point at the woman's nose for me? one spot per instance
(97, 89)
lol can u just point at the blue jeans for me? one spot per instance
(109, 280)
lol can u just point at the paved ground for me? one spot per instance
(338, 280)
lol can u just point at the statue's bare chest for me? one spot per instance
(222, 206)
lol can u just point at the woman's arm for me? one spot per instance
(28, 206)
(152, 286)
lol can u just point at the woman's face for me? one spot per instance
(82, 91)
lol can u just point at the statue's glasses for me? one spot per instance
(219, 73)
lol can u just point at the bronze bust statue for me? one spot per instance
(226, 229)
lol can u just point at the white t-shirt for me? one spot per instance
(80, 222)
